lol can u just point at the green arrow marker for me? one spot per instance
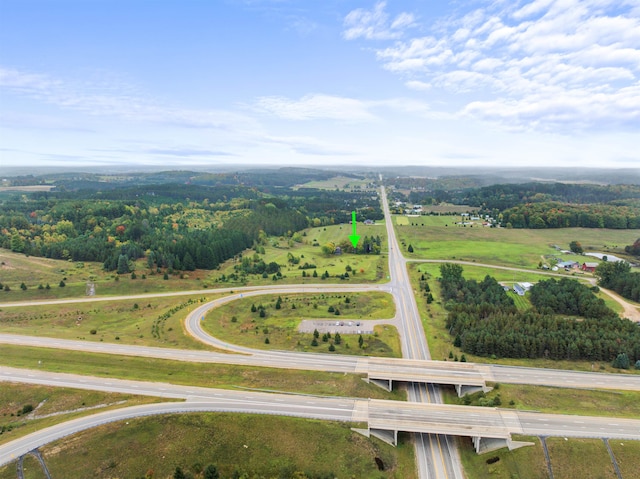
(354, 237)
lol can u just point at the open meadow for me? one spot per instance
(262, 446)
(45, 278)
(438, 237)
(362, 268)
(148, 322)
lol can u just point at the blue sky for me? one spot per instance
(320, 82)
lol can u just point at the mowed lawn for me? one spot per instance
(438, 237)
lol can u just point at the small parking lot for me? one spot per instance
(349, 326)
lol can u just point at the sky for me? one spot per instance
(320, 82)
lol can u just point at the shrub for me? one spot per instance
(621, 361)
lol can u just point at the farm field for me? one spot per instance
(339, 183)
(253, 444)
(438, 237)
(237, 323)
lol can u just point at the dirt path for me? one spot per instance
(631, 311)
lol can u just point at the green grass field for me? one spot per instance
(438, 237)
(583, 402)
(262, 446)
(281, 325)
(59, 404)
(18, 268)
(594, 460)
(524, 463)
(131, 321)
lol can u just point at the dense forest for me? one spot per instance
(566, 321)
(175, 226)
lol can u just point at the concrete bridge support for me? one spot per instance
(463, 389)
(483, 445)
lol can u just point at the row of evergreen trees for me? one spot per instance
(484, 321)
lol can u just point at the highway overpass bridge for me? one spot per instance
(466, 377)
(489, 428)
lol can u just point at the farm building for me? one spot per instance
(522, 288)
(589, 267)
(568, 264)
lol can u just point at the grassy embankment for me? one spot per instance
(52, 405)
(263, 445)
(235, 323)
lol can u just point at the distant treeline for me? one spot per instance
(562, 215)
(502, 197)
(484, 321)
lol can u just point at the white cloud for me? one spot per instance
(375, 24)
(327, 107)
(115, 99)
(418, 85)
(555, 65)
(316, 107)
